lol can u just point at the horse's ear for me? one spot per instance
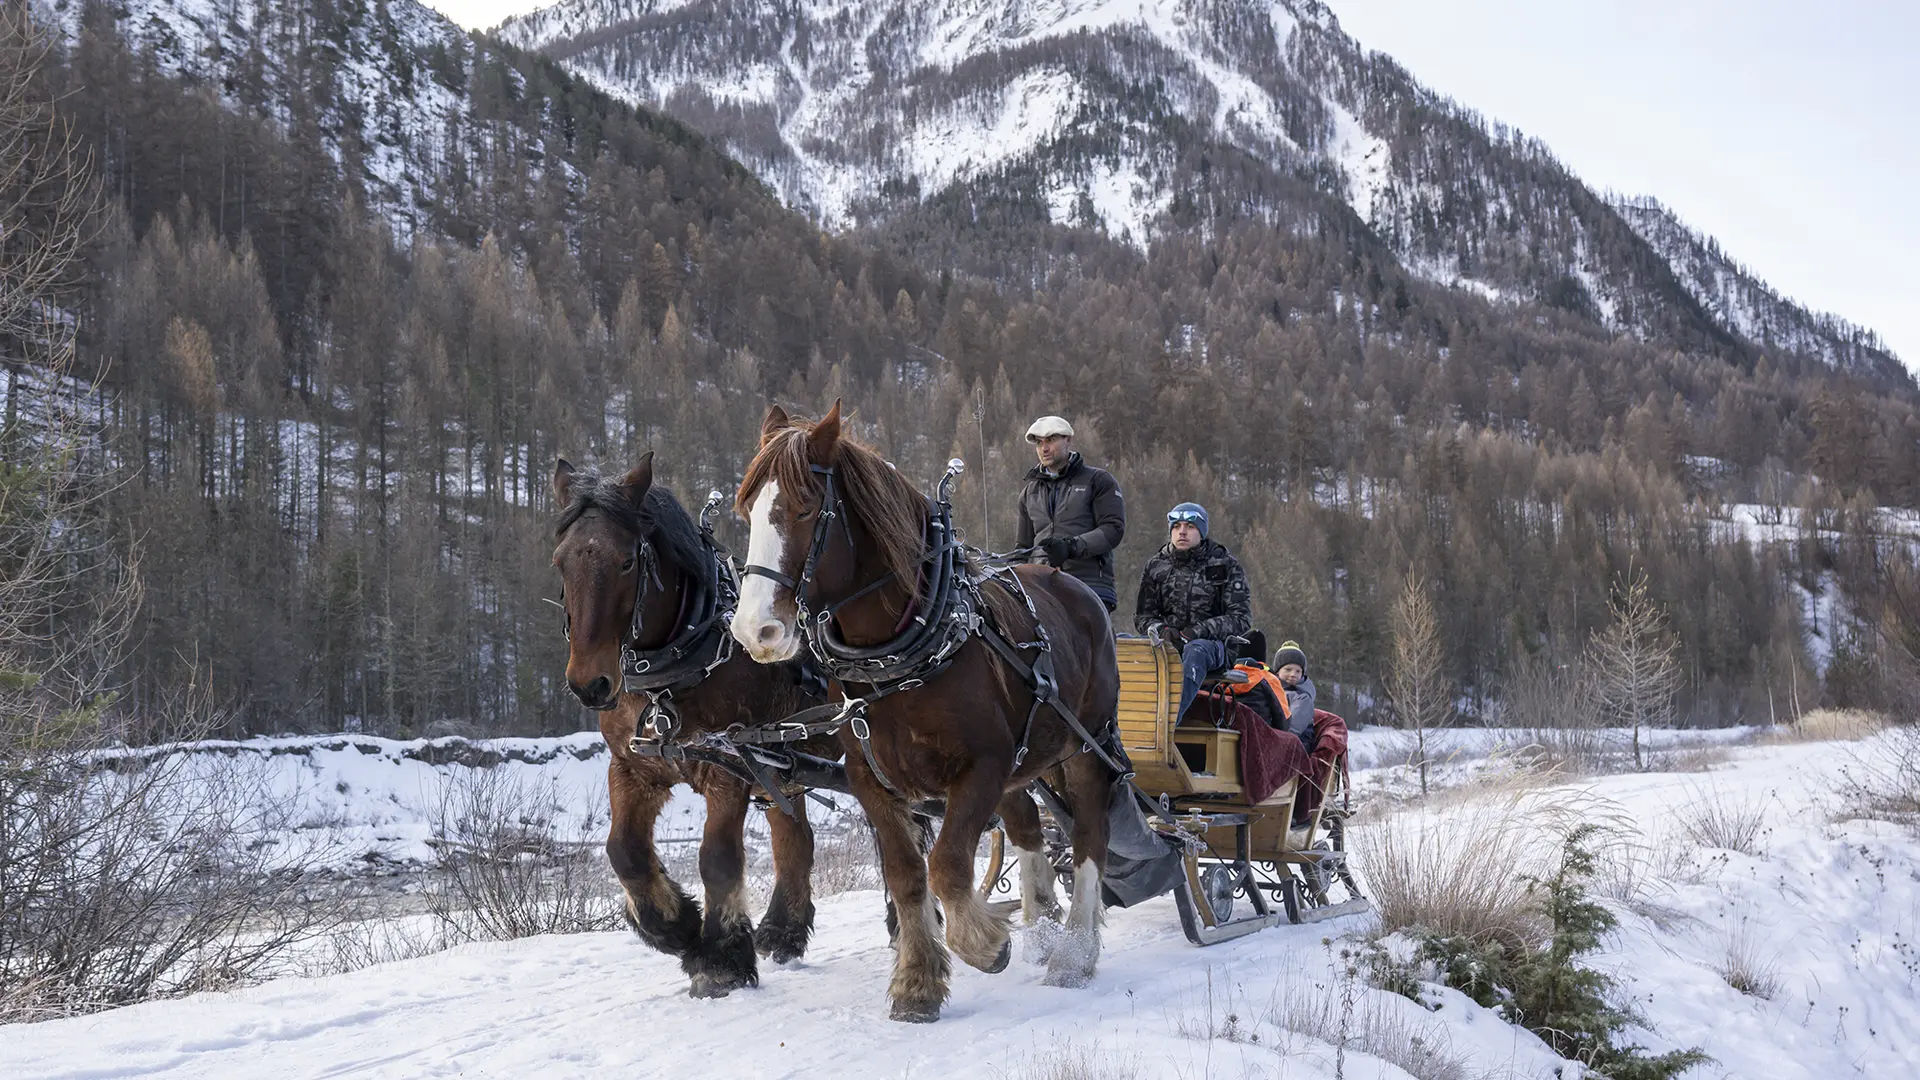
(825, 436)
(562, 482)
(777, 420)
(638, 479)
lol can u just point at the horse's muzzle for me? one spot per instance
(598, 695)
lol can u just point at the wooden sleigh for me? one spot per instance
(1249, 857)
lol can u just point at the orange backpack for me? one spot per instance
(1258, 674)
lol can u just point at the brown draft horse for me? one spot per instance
(953, 738)
(607, 527)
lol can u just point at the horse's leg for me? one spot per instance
(662, 914)
(921, 967)
(724, 960)
(784, 929)
(923, 838)
(1075, 955)
(1021, 818)
(973, 930)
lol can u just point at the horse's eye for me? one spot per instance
(627, 567)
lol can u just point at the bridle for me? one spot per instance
(831, 511)
(690, 655)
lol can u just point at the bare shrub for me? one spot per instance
(509, 865)
(1557, 704)
(1745, 968)
(1719, 819)
(844, 860)
(373, 939)
(132, 875)
(1886, 785)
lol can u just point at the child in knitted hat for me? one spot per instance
(1290, 663)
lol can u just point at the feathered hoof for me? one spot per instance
(907, 1012)
(717, 985)
(781, 942)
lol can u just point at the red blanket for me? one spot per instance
(1270, 757)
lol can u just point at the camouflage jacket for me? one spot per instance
(1202, 593)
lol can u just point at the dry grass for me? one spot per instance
(1372, 1023)
(1689, 759)
(1072, 1061)
(1830, 725)
(1464, 874)
(1745, 967)
(1720, 819)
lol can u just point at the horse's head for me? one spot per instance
(793, 552)
(600, 551)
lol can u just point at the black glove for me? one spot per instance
(1061, 548)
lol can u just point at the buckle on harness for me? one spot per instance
(857, 723)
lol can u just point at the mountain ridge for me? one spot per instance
(853, 109)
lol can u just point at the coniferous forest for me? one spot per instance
(329, 439)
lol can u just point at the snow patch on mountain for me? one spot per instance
(1364, 160)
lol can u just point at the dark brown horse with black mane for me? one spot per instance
(622, 540)
(840, 543)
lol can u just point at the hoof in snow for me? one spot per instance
(715, 986)
(914, 1014)
(1037, 944)
(1073, 960)
(781, 943)
(1000, 962)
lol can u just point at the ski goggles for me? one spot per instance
(1184, 517)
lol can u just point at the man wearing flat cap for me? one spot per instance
(1071, 513)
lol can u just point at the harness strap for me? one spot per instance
(861, 732)
(1045, 691)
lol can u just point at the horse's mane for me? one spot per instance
(893, 510)
(660, 517)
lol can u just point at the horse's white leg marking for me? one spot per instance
(1078, 949)
(1037, 900)
(755, 626)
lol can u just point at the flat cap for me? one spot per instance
(1048, 426)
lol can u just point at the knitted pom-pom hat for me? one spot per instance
(1290, 653)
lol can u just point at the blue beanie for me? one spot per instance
(1189, 511)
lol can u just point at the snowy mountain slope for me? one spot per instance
(380, 83)
(1141, 115)
(1743, 302)
(1826, 908)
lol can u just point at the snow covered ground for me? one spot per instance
(1822, 911)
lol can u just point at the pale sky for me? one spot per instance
(1787, 129)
